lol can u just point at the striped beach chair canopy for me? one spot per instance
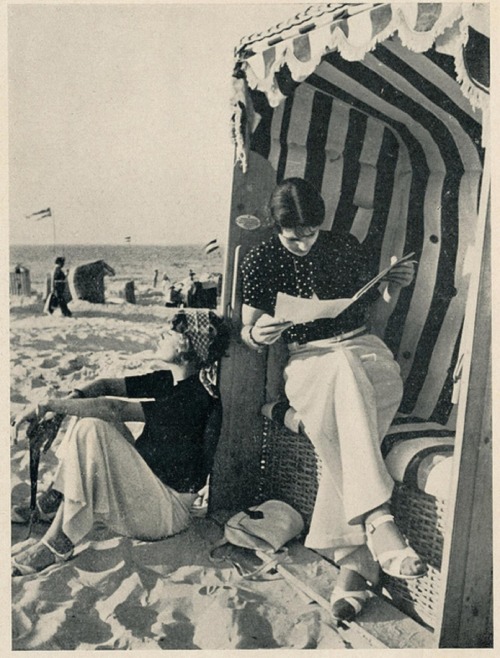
(381, 105)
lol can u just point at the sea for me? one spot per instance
(129, 261)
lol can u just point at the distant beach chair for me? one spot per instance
(204, 295)
(130, 292)
(86, 281)
(19, 281)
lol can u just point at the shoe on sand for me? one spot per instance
(46, 508)
(22, 514)
(36, 558)
(345, 605)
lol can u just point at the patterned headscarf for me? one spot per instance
(201, 333)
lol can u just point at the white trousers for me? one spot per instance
(346, 395)
(103, 478)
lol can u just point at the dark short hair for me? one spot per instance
(60, 260)
(296, 204)
(220, 334)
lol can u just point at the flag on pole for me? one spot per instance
(40, 214)
(211, 246)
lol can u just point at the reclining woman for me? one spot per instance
(342, 381)
(142, 489)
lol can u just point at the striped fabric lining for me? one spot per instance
(396, 152)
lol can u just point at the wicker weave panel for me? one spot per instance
(290, 470)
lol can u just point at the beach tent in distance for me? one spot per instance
(385, 108)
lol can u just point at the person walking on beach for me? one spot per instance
(142, 489)
(57, 295)
(342, 381)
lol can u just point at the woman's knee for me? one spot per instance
(89, 429)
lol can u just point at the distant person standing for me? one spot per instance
(155, 278)
(165, 283)
(190, 286)
(56, 296)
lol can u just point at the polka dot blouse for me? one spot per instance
(335, 267)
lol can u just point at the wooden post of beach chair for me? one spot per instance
(466, 613)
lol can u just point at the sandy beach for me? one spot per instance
(119, 593)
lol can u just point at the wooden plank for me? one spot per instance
(465, 609)
(378, 625)
(235, 475)
(236, 471)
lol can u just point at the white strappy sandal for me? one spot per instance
(346, 605)
(22, 569)
(391, 561)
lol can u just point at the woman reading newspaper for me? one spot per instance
(342, 381)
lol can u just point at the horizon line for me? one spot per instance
(107, 244)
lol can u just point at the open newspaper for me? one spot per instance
(299, 310)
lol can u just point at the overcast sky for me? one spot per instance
(119, 119)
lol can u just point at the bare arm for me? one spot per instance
(113, 411)
(114, 387)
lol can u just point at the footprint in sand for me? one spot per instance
(38, 382)
(50, 362)
(73, 365)
(17, 398)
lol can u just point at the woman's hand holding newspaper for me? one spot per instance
(399, 276)
(267, 330)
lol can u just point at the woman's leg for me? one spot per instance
(103, 478)
(345, 414)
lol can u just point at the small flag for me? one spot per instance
(127, 238)
(211, 246)
(40, 214)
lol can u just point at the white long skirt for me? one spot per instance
(346, 395)
(104, 479)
